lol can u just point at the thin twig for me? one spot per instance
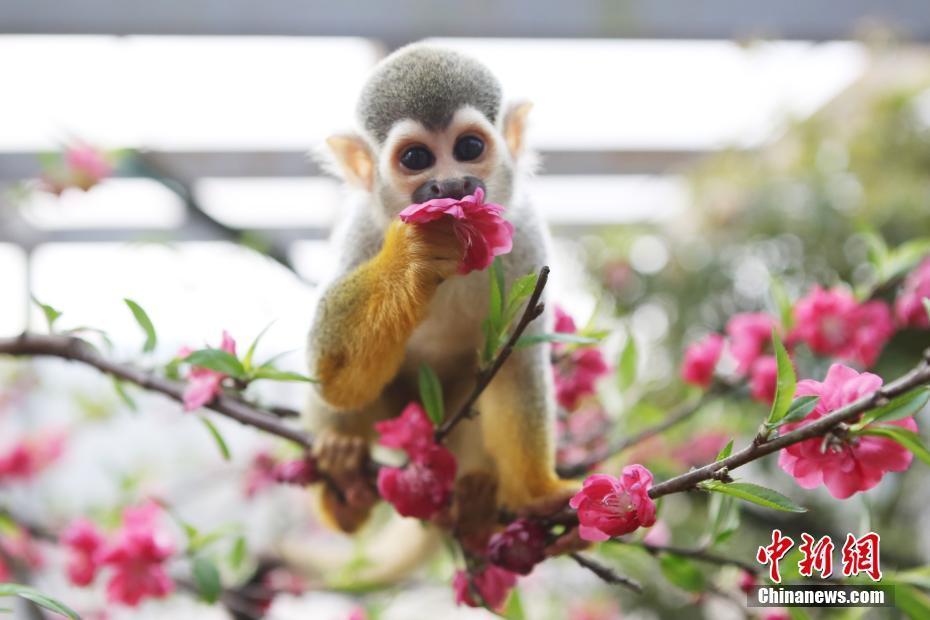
(681, 413)
(532, 311)
(697, 554)
(75, 349)
(606, 573)
(760, 447)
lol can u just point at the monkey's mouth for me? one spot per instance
(456, 188)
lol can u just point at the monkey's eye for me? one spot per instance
(417, 158)
(468, 148)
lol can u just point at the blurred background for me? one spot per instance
(691, 151)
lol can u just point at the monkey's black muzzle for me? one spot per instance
(448, 188)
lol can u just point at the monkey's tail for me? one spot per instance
(391, 552)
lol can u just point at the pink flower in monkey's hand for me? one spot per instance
(478, 225)
(422, 488)
(609, 506)
(204, 384)
(492, 584)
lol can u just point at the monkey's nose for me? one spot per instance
(447, 188)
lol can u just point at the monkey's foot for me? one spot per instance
(474, 509)
(554, 500)
(349, 494)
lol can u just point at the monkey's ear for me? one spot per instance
(354, 159)
(515, 127)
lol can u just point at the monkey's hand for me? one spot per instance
(349, 495)
(365, 319)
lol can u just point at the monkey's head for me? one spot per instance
(433, 128)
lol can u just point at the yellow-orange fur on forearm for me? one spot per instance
(370, 316)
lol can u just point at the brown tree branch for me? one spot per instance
(681, 413)
(76, 350)
(606, 573)
(533, 310)
(918, 376)
(701, 555)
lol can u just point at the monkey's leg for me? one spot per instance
(517, 415)
(346, 505)
(365, 319)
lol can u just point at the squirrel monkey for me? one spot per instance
(432, 127)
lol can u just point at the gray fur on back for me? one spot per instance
(427, 84)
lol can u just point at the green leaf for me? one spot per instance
(534, 339)
(800, 408)
(626, 369)
(905, 257)
(145, 323)
(519, 293)
(124, 396)
(787, 381)
(207, 579)
(919, 577)
(247, 360)
(51, 314)
(218, 360)
(912, 602)
(237, 553)
(269, 372)
(682, 572)
(753, 493)
(909, 439)
(431, 394)
(42, 600)
(903, 406)
(724, 517)
(725, 452)
(498, 296)
(218, 438)
(514, 608)
(782, 302)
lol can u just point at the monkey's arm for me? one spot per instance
(364, 320)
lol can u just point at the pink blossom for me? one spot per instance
(519, 547)
(5, 574)
(848, 465)
(260, 474)
(204, 384)
(87, 165)
(747, 581)
(831, 322)
(411, 431)
(909, 307)
(581, 433)
(564, 323)
(85, 542)
(492, 584)
(776, 614)
(422, 488)
(609, 506)
(701, 359)
(699, 448)
(749, 334)
(300, 472)
(763, 379)
(21, 545)
(659, 534)
(872, 327)
(576, 375)
(137, 557)
(358, 613)
(479, 226)
(30, 456)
